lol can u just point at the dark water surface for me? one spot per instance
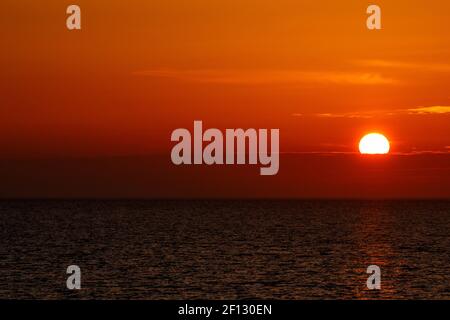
(225, 249)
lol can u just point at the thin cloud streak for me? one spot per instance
(394, 153)
(256, 77)
(435, 67)
(432, 110)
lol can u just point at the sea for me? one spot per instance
(225, 249)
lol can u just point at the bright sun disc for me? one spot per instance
(374, 143)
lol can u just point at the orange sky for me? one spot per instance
(139, 69)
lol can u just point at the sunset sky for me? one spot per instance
(89, 113)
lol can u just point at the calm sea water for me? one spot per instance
(225, 249)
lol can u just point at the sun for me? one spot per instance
(374, 143)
